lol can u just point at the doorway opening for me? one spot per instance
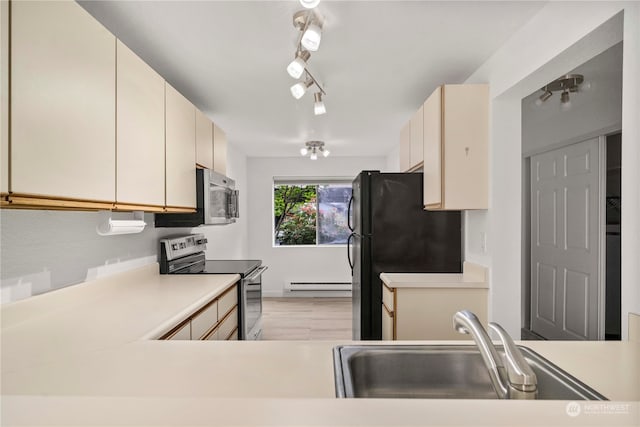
(571, 242)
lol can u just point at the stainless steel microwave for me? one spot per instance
(217, 203)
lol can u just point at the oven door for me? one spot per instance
(251, 298)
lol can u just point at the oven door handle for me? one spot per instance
(255, 274)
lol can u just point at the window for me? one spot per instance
(310, 213)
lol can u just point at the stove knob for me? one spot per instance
(174, 246)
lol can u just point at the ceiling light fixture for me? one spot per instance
(318, 106)
(313, 148)
(297, 66)
(309, 4)
(309, 23)
(566, 84)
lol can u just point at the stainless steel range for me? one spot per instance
(185, 255)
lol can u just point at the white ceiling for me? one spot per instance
(378, 61)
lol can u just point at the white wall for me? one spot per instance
(592, 111)
(230, 241)
(295, 263)
(46, 250)
(393, 160)
(559, 38)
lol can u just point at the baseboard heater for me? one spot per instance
(318, 286)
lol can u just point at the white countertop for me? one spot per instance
(473, 276)
(79, 357)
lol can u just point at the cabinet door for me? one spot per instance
(433, 149)
(466, 133)
(387, 324)
(204, 141)
(405, 147)
(219, 150)
(417, 142)
(140, 131)
(180, 128)
(4, 97)
(63, 112)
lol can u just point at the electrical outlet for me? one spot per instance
(483, 242)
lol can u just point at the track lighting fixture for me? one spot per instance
(313, 148)
(309, 4)
(297, 66)
(299, 89)
(567, 83)
(318, 105)
(309, 23)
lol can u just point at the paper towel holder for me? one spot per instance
(113, 227)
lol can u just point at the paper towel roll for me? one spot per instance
(121, 226)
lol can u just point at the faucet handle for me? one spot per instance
(521, 376)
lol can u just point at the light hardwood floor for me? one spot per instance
(306, 318)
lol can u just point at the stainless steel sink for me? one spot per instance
(439, 372)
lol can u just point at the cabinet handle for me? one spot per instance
(466, 151)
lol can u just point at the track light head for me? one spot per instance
(318, 106)
(312, 37)
(298, 65)
(309, 4)
(299, 89)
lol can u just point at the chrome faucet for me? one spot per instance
(517, 380)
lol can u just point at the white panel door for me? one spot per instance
(565, 242)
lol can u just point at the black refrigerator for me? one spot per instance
(392, 233)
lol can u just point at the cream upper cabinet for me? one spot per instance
(63, 112)
(405, 147)
(204, 141)
(456, 135)
(417, 143)
(140, 131)
(4, 97)
(180, 128)
(219, 150)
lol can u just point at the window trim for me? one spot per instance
(293, 180)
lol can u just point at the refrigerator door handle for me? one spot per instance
(349, 213)
(352, 235)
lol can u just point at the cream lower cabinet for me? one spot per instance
(140, 133)
(421, 306)
(62, 111)
(216, 320)
(456, 142)
(180, 172)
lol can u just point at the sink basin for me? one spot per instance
(439, 372)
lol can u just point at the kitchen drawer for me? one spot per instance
(228, 301)
(228, 324)
(184, 333)
(388, 297)
(202, 322)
